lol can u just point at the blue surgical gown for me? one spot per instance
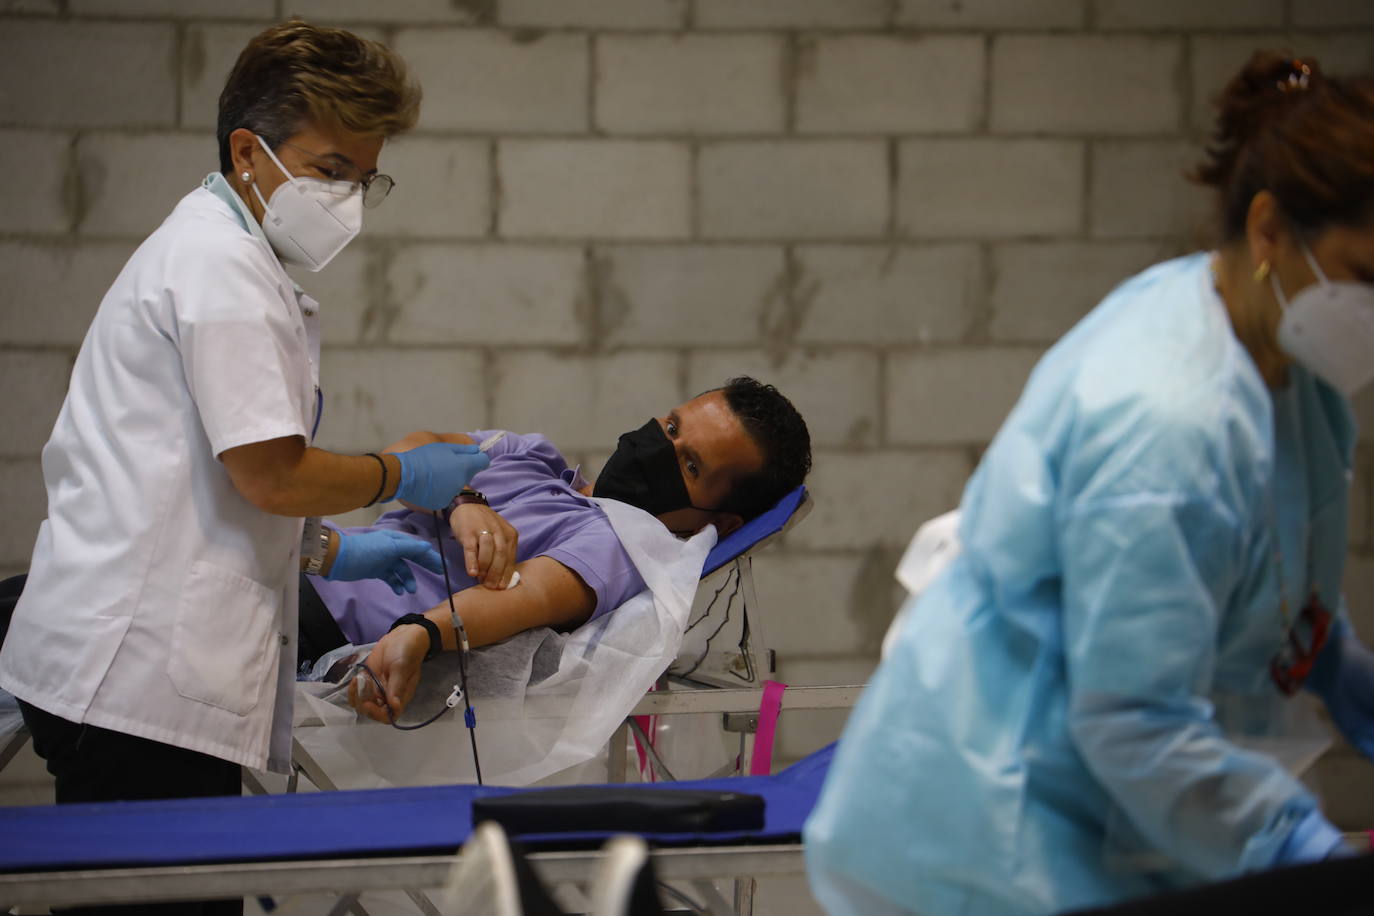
(1043, 734)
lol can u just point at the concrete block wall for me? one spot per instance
(889, 208)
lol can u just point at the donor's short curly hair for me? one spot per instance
(295, 72)
(780, 433)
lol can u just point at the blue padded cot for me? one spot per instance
(331, 825)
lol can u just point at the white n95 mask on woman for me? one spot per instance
(310, 220)
(1329, 328)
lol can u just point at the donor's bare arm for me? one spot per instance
(549, 595)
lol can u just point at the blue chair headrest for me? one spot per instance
(743, 539)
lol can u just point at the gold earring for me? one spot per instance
(1262, 272)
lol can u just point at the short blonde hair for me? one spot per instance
(297, 72)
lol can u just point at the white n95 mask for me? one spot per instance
(309, 220)
(1329, 328)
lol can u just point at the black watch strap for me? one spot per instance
(436, 642)
(469, 495)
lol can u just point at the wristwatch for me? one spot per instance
(314, 545)
(315, 564)
(436, 643)
(469, 495)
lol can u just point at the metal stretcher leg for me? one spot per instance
(302, 761)
(13, 746)
(572, 897)
(744, 896)
(616, 755)
(655, 760)
(252, 783)
(715, 904)
(763, 658)
(746, 752)
(423, 904)
(348, 903)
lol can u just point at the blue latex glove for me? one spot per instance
(382, 555)
(1344, 678)
(432, 475)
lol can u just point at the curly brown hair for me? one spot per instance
(1308, 138)
(297, 72)
(778, 429)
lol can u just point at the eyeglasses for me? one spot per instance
(1302, 643)
(375, 187)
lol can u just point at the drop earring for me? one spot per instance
(1262, 272)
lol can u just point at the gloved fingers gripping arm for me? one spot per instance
(415, 440)
(1144, 580)
(432, 475)
(1344, 678)
(381, 555)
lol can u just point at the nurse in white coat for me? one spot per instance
(153, 648)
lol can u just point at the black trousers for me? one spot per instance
(1334, 887)
(317, 631)
(92, 764)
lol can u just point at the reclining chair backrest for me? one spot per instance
(759, 530)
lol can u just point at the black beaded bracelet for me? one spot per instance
(436, 642)
(381, 488)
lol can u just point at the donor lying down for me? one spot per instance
(718, 460)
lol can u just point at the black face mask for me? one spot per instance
(644, 472)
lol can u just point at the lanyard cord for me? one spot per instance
(1285, 612)
(1287, 621)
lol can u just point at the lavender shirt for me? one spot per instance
(531, 485)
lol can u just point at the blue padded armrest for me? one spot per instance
(744, 538)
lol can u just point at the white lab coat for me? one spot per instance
(160, 602)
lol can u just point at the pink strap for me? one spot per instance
(650, 726)
(762, 764)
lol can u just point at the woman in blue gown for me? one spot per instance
(1151, 564)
